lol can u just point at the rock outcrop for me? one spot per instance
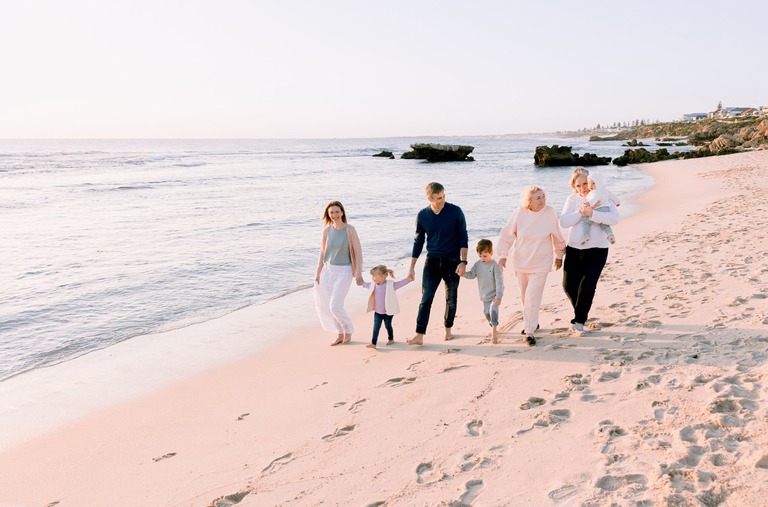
(440, 152)
(643, 156)
(556, 156)
(384, 154)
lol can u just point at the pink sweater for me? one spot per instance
(533, 239)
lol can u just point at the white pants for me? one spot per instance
(531, 292)
(334, 285)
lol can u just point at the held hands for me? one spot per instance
(359, 280)
(461, 269)
(558, 264)
(503, 263)
(411, 275)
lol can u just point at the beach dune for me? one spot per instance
(664, 402)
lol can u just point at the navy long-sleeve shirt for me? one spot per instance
(445, 233)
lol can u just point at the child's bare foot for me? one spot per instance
(370, 346)
(339, 339)
(416, 340)
(390, 342)
(448, 335)
(494, 335)
(347, 337)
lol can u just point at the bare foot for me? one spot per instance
(416, 340)
(390, 342)
(448, 335)
(494, 335)
(370, 346)
(339, 340)
(347, 337)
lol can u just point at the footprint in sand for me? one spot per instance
(532, 402)
(474, 427)
(473, 489)
(449, 351)
(399, 381)
(356, 405)
(563, 492)
(609, 375)
(472, 462)
(412, 366)
(230, 500)
(340, 432)
(613, 483)
(164, 456)
(277, 462)
(452, 368)
(421, 471)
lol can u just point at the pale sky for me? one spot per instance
(359, 68)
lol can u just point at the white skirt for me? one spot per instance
(334, 285)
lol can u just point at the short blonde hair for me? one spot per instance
(527, 193)
(576, 173)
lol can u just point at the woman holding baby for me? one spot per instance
(586, 250)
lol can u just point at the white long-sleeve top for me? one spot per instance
(533, 239)
(571, 216)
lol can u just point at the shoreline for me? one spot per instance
(452, 421)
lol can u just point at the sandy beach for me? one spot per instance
(664, 402)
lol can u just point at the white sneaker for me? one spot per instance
(578, 329)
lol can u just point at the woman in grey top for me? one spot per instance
(341, 260)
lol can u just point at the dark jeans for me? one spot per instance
(581, 271)
(378, 318)
(435, 270)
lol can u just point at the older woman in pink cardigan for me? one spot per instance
(341, 260)
(535, 243)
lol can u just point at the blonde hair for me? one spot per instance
(382, 270)
(576, 173)
(527, 193)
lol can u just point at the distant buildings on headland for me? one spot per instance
(722, 113)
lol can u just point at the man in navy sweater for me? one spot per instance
(443, 226)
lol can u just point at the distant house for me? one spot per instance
(750, 111)
(734, 112)
(690, 117)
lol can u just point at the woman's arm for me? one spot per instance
(321, 259)
(507, 238)
(357, 254)
(570, 215)
(558, 240)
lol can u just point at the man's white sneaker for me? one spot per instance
(578, 329)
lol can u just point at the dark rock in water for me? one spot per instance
(556, 156)
(384, 154)
(635, 142)
(440, 152)
(643, 156)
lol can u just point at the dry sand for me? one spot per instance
(665, 402)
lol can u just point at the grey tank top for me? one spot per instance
(337, 247)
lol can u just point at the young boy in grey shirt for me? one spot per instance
(489, 283)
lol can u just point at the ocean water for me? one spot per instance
(105, 240)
